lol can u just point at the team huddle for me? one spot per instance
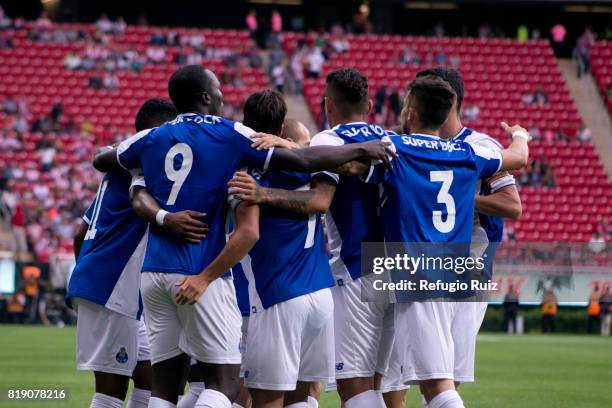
(229, 254)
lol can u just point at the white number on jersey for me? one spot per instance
(178, 176)
(91, 231)
(446, 177)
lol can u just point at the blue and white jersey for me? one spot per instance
(187, 164)
(354, 214)
(289, 260)
(430, 192)
(107, 271)
(488, 230)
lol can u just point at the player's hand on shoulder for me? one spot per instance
(382, 150)
(190, 289)
(263, 141)
(187, 225)
(516, 130)
(245, 188)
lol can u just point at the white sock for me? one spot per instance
(105, 401)
(155, 402)
(138, 398)
(213, 399)
(298, 405)
(446, 399)
(312, 402)
(191, 397)
(367, 399)
(424, 401)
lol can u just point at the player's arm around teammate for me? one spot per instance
(238, 245)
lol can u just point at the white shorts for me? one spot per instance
(425, 341)
(392, 380)
(208, 331)
(291, 341)
(361, 330)
(106, 341)
(465, 328)
(144, 347)
(243, 339)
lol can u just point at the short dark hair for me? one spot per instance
(153, 113)
(349, 89)
(265, 111)
(433, 98)
(186, 86)
(452, 76)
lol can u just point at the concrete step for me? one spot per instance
(592, 109)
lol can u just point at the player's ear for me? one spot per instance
(206, 99)
(370, 106)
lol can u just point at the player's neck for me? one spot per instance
(346, 119)
(451, 128)
(424, 131)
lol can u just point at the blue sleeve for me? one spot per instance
(488, 161)
(259, 159)
(90, 210)
(377, 172)
(128, 151)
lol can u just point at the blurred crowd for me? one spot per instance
(44, 196)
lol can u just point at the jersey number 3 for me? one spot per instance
(179, 176)
(444, 197)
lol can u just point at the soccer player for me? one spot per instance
(187, 164)
(497, 198)
(104, 286)
(429, 198)
(289, 280)
(352, 219)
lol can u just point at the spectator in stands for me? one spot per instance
(46, 150)
(484, 31)
(605, 306)
(584, 134)
(522, 33)
(582, 51)
(297, 70)
(9, 105)
(276, 22)
(380, 98)
(536, 34)
(110, 82)
(439, 30)
(6, 41)
(119, 25)
(557, 34)
(5, 21)
(470, 113)
(43, 22)
(593, 310)
(534, 131)
(549, 310)
(156, 55)
(72, 61)
(597, 243)
(20, 124)
(539, 97)
(441, 58)
(409, 57)
(18, 229)
(157, 38)
(339, 43)
(279, 73)
(104, 25)
(455, 60)
(315, 62)
(511, 308)
(251, 24)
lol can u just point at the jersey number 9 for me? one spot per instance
(179, 176)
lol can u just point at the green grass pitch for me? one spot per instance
(512, 371)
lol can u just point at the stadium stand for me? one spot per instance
(48, 170)
(499, 74)
(601, 66)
